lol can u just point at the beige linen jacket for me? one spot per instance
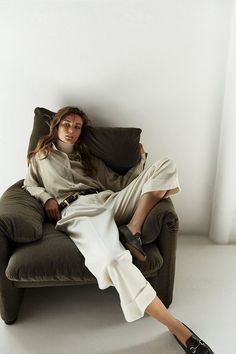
(60, 175)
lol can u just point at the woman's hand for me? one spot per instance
(52, 209)
(141, 149)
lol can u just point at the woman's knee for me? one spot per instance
(167, 163)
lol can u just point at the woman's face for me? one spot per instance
(70, 128)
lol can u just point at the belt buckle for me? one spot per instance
(66, 202)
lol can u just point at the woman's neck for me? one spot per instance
(65, 147)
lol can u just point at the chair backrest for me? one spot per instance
(118, 147)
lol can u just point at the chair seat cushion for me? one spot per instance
(56, 258)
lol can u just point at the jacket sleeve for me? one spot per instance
(112, 180)
(33, 183)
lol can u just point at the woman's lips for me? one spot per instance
(69, 137)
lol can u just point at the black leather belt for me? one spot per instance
(73, 197)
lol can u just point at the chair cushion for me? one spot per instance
(56, 258)
(21, 216)
(117, 147)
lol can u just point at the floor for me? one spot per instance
(86, 320)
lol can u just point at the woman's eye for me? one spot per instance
(78, 127)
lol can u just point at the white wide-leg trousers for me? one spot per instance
(90, 222)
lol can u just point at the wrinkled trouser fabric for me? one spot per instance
(90, 222)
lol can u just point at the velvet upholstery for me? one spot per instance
(21, 216)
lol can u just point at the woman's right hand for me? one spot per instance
(141, 148)
(52, 210)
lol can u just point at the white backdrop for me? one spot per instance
(157, 64)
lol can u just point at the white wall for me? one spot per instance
(154, 64)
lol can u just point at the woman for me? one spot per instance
(86, 199)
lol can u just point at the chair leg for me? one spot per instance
(10, 301)
(10, 322)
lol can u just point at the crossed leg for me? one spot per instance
(156, 308)
(145, 203)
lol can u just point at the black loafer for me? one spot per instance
(195, 345)
(132, 242)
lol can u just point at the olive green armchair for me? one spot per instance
(34, 254)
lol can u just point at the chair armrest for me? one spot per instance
(161, 227)
(10, 296)
(162, 213)
(21, 215)
(21, 219)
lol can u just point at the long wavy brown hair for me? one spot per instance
(44, 144)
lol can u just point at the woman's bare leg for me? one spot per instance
(146, 202)
(158, 310)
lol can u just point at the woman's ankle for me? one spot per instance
(134, 229)
(181, 332)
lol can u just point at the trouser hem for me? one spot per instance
(136, 309)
